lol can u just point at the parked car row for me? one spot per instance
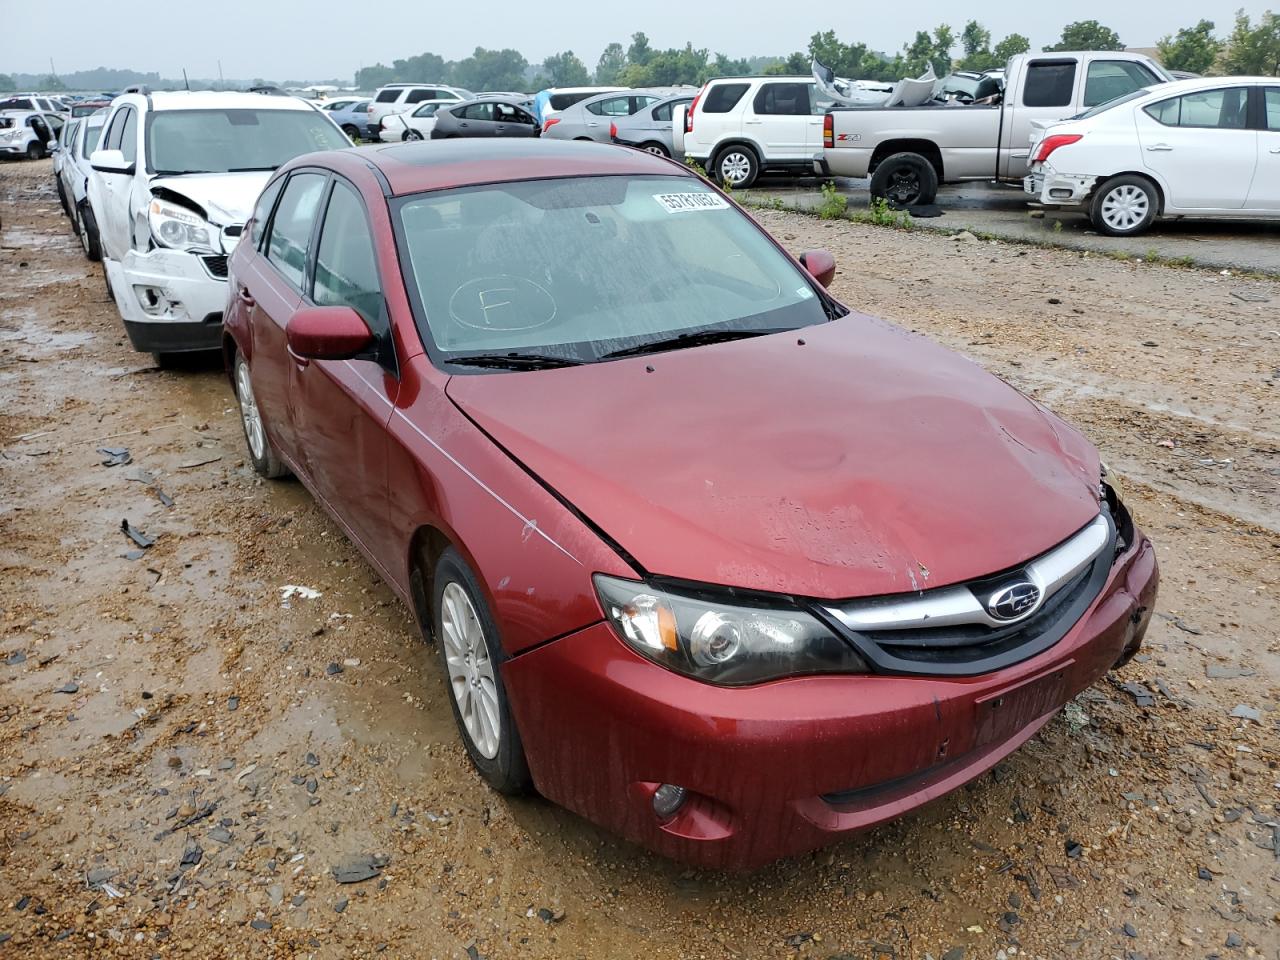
(654, 641)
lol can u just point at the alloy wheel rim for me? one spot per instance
(412, 135)
(735, 167)
(249, 412)
(1125, 207)
(84, 234)
(656, 151)
(471, 676)
(904, 186)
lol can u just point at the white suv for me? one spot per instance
(175, 177)
(402, 97)
(739, 127)
(28, 134)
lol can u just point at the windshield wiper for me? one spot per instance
(682, 340)
(515, 361)
(252, 169)
(182, 173)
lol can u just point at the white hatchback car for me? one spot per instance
(414, 125)
(175, 178)
(1208, 147)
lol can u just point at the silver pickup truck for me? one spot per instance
(908, 151)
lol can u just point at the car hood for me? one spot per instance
(849, 459)
(226, 198)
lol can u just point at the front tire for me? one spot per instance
(62, 196)
(736, 167)
(1124, 206)
(905, 180)
(87, 226)
(472, 656)
(265, 459)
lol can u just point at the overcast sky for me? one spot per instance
(313, 39)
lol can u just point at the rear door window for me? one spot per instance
(1272, 101)
(612, 107)
(1225, 109)
(782, 100)
(292, 226)
(479, 111)
(1109, 79)
(1050, 83)
(387, 96)
(723, 97)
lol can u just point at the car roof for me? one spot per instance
(216, 100)
(1209, 83)
(443, 164)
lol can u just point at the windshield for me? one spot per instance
(223, 141)
(584, 267)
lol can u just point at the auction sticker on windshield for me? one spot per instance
(684, 202)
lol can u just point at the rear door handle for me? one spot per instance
(1276, 150)
(1159, 148)
(753, 121)
(246, 297)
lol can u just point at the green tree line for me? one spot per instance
(1251, 48)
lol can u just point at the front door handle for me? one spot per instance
(300, 361)
(753, 121)
(246, 297)
(1159, 148)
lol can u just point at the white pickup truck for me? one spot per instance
(908, 151)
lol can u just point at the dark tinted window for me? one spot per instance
(1049, 83)
(562, 101)
(783, 99)
(362, 107)
(262, 212)
(478, 111)
(387, 96)
(1225, 109)
(291, 226)
(1109, 79)
(417, 96)
(722, 98)
(506, 113)
(346, 267)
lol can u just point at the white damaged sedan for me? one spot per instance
(1208, 147)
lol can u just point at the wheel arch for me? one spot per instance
(1161, 196)
(426, 546)
(925, 148)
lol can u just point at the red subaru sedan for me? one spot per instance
(710, 559)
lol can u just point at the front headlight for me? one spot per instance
(722, 642)
(179, 228)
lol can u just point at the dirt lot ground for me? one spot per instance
(184, 758)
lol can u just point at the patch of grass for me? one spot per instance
(880, 214)
(834, 203)
(695, 166)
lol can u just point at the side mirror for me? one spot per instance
(820, 264)
(327, 333)
(110, 161)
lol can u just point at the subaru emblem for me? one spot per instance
(1014, 602)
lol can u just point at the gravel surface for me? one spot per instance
(183, 774)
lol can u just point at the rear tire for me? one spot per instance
(472, 656)
(410, 135)
(1124, 206)
(34, 151)
(905, 180)
(262, 454)
(351, 131)
(89, 238)
(62, 196)
(657, 149)
(736, 167)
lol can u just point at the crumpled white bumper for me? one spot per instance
(169, 300)
(1056, 189)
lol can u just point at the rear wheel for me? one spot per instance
(412, 134)
(34, 150)
(62, 196)
(261, 452)
(472, 656)
(905, 180)
(736, 167)
(89, 239)
(657, 149)
(351, 131)
(1124, 206)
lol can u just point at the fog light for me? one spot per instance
(667, 800)
(1060, 193)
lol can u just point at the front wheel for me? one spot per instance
(737, 167)
(1124, 206)
(905, 180)
(472, 656)
(88, 229)
(261, 452)
(62, 196)
(411, 135)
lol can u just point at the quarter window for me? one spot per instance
(479, 111)
(1225, 109)
(262, 212)
(346, 266)
(723, 97)
(387, 96)
(1108, 79)
(613, 107)
(1050, 83)
(783, 100)
(291, 226)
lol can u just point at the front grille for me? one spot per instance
(966, 641)
(216, 265)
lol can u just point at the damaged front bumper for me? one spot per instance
(170, 301)
(780, 768)
(1055, 189)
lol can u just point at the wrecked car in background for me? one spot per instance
(175, 177)
(791, 573)
(908, 150)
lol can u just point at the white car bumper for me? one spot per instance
(170, 301)
(1056, 189)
